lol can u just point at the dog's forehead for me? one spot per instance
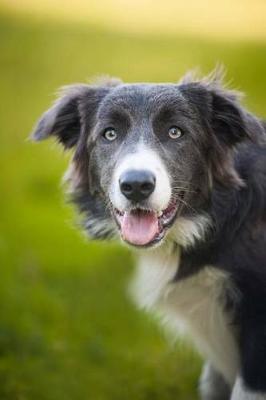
(132, 97)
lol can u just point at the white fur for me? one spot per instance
(240, 392)
(142, 158)
(194, 305)
(187, 231)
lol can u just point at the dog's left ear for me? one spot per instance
(227, 120)
(228, 126)
(226, 123)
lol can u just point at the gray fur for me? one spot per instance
(144, 112)
(215, 127)
(213, 385)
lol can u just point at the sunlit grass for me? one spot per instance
(230, 19)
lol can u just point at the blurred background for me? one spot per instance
(67, 328)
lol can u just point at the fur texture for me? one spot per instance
(205, 271)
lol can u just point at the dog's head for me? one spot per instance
(145, 154)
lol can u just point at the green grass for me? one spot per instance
(67, 327)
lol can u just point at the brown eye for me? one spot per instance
(175, 132)
(110, 134)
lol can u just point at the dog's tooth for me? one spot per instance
(160, 213)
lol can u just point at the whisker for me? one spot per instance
(184, 182)
(184, 189)
(177, 197)
(107, 204)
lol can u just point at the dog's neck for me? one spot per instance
(186, 235)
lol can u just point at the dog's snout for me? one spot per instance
(137, 185)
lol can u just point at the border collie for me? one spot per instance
(179, 172)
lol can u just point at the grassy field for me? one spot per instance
(67, 328)
(231, 19)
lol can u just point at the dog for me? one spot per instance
(179, 172)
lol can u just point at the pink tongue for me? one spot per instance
(139, 227)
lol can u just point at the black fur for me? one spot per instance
(223, 158)
(237, 244)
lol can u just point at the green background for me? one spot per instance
(67, 327)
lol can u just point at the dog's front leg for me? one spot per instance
(241, 392)
(250, 383)
(212, 385)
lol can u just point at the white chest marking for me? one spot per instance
(193, 305)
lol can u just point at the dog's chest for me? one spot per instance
(193, 305)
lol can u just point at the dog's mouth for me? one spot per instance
(144, 227)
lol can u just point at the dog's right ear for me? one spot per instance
(67, 117)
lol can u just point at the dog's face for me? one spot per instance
(147, 158)
(146, 154)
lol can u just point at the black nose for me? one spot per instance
(137, 185)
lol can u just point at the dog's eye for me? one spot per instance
(175, 132)
(110, 134)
